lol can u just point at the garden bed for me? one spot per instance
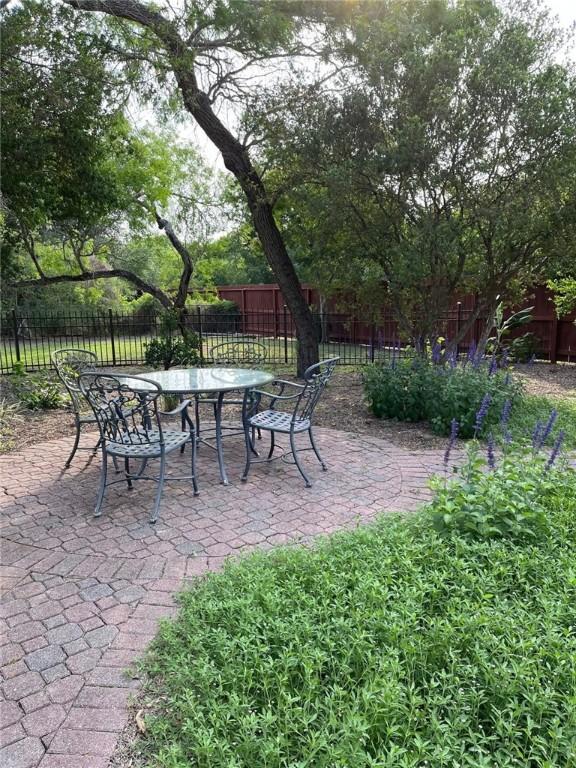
(342, 407)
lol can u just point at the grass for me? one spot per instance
(533, 408)
(129, 350)
(390, 646)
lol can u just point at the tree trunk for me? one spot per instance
(237, 162)
(235, 159)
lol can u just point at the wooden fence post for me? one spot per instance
(553, 350)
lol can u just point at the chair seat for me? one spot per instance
(148, 450)
(278, 421)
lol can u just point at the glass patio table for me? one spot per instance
(204, 381)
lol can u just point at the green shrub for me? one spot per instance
(167, 351)
(416, 389)
(524, 348)
(38, 391)
(171, 347)
(386, 647)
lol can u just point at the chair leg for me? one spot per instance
(127, 472)
(297, 461)
(272, 446)
(193, 461)
(154, 517)
(316, 451)
(102, 491)
(248, 442)
(197, 415)
(75, 447)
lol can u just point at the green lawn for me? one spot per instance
(129, 350)
(388, 646)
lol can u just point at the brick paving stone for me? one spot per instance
(83, 661)
(44, 720)
(22, 685)
(54, 621)
(9, 713)
(130, 594)
(34, 701)
(65, 690)
(95, 592)
(45, 658)
(92, 623)
(25, 631)
(73, 761)
(55, 673)
(14, 669)
(80, 742)
(34, 644)
(111, 677)
(12, 607)
(70, 649)
(101, 637)
(22, 754)
(9, 653)
(10, 734)
(117, 615)
(64, 634)
(91, 718)
(97, 696)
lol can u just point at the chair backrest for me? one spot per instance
(124, 415)
(70, 364)
(316, 378)
(244, 352)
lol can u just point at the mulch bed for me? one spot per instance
(342, 407)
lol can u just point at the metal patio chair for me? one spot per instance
(131, 428)
(70, 363)
(303, 402)
(236, 353)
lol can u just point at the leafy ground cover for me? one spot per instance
(393, 645)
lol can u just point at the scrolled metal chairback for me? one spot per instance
(241, 352)
(70, 364)
(316, 378)
(124, 416)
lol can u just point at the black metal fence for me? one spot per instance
(119, 339)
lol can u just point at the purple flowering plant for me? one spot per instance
(501, 493)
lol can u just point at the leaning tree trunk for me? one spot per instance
(235, 157)
(236, 160)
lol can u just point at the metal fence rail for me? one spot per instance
(119, 339)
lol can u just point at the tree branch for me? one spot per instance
(184, 253)
(98, 274)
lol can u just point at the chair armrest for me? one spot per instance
(276, 397)
(179, 408)
(282, 383)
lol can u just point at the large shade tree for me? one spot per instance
(204, 50)
(445, 163)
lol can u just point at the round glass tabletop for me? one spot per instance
(180, 381)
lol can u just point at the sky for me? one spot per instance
(565, 10)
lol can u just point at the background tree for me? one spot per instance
(445, 164)
(78, 182)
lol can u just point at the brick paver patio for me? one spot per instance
(81, 597)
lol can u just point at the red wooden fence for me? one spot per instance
(264, 305)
